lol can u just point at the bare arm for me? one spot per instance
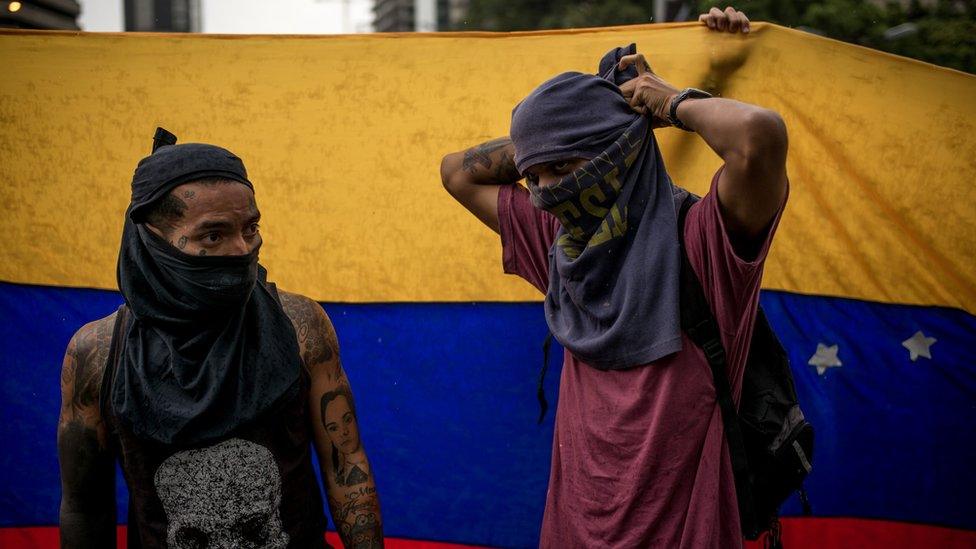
(473, 177)
(350, 486)
(753, 143)
(87, 515)
(751, 140)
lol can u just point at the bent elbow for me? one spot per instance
(449, 169)
(766, 139)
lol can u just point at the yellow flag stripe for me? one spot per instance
(343, 137)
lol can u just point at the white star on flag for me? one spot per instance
(825, 357)
(918, 345)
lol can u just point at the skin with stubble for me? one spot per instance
(212, 218)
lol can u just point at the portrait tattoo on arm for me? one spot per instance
(354, 501)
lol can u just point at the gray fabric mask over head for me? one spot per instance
(613, 268)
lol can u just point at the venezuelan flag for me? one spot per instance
(871, 283)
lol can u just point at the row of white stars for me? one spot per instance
(826, 355)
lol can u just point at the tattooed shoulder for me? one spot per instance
(316, 336)
(84, 363)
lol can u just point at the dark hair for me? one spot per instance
(332, 395)
(170, 208)
(165, 211)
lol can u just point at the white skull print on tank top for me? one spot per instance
(220, 497)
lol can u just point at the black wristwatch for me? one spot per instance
(687, 93)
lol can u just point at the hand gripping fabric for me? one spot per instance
(770, 442)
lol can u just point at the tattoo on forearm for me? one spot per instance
(480, 155)
(365, 533)
(358, 520)
(505, 170)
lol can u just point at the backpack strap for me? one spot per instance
(699, 323)
(541, 388)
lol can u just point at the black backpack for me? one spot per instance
(770, 442)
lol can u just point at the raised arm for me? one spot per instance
(87, 515)
(753, 143)
(751, 140)
(473, 177)
(350, 486)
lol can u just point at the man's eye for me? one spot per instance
(532, 178)
(560, 166)
(212, 237)
(252, 229)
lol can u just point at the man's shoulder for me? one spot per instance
(94, 338)
(85, 361)
(300, 308)
(316, 336)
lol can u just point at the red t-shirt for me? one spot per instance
(639, 456)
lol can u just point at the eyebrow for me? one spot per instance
(224, 224)
(211, 225)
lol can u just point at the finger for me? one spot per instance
(745, 22)
(637, 101)
(735, 22)
(722, 20)
(636, 59)
(712, 18)
(627, 89)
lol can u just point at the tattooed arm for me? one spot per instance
(473, 177)
(87, 464)
(349, 481)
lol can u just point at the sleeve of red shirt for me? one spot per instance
(527, 234)
(731, 283)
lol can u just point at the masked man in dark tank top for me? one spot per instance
(209, 386)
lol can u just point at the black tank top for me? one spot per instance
(254, 488)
